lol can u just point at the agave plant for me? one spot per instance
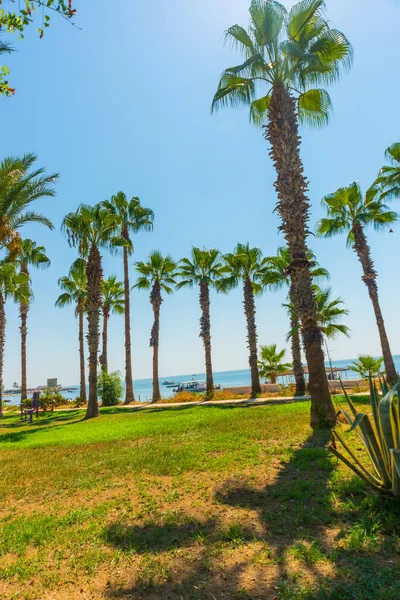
(381, 437)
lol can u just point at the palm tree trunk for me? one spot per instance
(297, 363)
(2, 342)
(369, 278)
(250, 312)
(94, 274)
(23, 313)
(129, 393)
(156, 300)
(82, 357)
(293, 207)
(205, 334)
(104, 357)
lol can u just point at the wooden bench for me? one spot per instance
(29, 412)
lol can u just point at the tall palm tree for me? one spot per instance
(29, 254)
(205, 270)
(287, 54)
(271, 362)
(133, 217)
(12, 285)
(91, 228)
(280, 269)
(388, 180)
(20, 185)
(246, 266)
(157, 274)
(113, 301)
(74, 288)
(349, 211)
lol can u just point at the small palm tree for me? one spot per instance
(157, 274)
(246, 266)
(350, 212)
(29, 254)
(286, 56)
(20, 185)
(367, 366)
(280, 272)
(113, 301)
(133, 217)
(74, 288)
(271, 362)
(388, 180)
(12, 285)
(91, 228)
(205, 270)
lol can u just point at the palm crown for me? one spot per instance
(13, 284)
(158, 269)
(113, 295)
(32, 254)
(296, 49)
(245, 263)
(279, 268)
(131, 215)
(388, 180)
(204, 267)
(329, 312)
(74, 285)
(92, 226)
(367, 365)
(347, 207)
(20, 185)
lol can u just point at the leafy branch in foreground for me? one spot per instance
(380, 436)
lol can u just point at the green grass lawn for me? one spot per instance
(190, 503)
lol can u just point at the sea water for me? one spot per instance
(143, 387)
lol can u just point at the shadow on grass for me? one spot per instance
(39, 425)
(296, 517)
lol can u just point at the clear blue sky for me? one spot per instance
(124, 103)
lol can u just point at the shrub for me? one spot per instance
(110, 388)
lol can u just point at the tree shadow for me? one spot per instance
(39, 425)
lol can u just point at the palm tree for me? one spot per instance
(132, 218)
(91, 228)
(388, 180)
(12, 285)
(246, 265)
(20, 185)
(271, 362)
(205, 270)
(329, 312)
(288, 53)
(74, 288)
(279, 269)
(367, 366)
(157, 274)
(349, 211)
(29, 254)
(113, 301)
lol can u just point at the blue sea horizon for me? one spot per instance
(238, 377)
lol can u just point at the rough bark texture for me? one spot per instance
(23, 313)
(297, 363)
(293, 208)
(250, 312)
(129, 394)
(205, 334)
(82, 356)
(2, 341)
(94, 274)
(369, 278)
(104, 357)
(156, 301)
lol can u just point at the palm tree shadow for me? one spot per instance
(290, 509)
